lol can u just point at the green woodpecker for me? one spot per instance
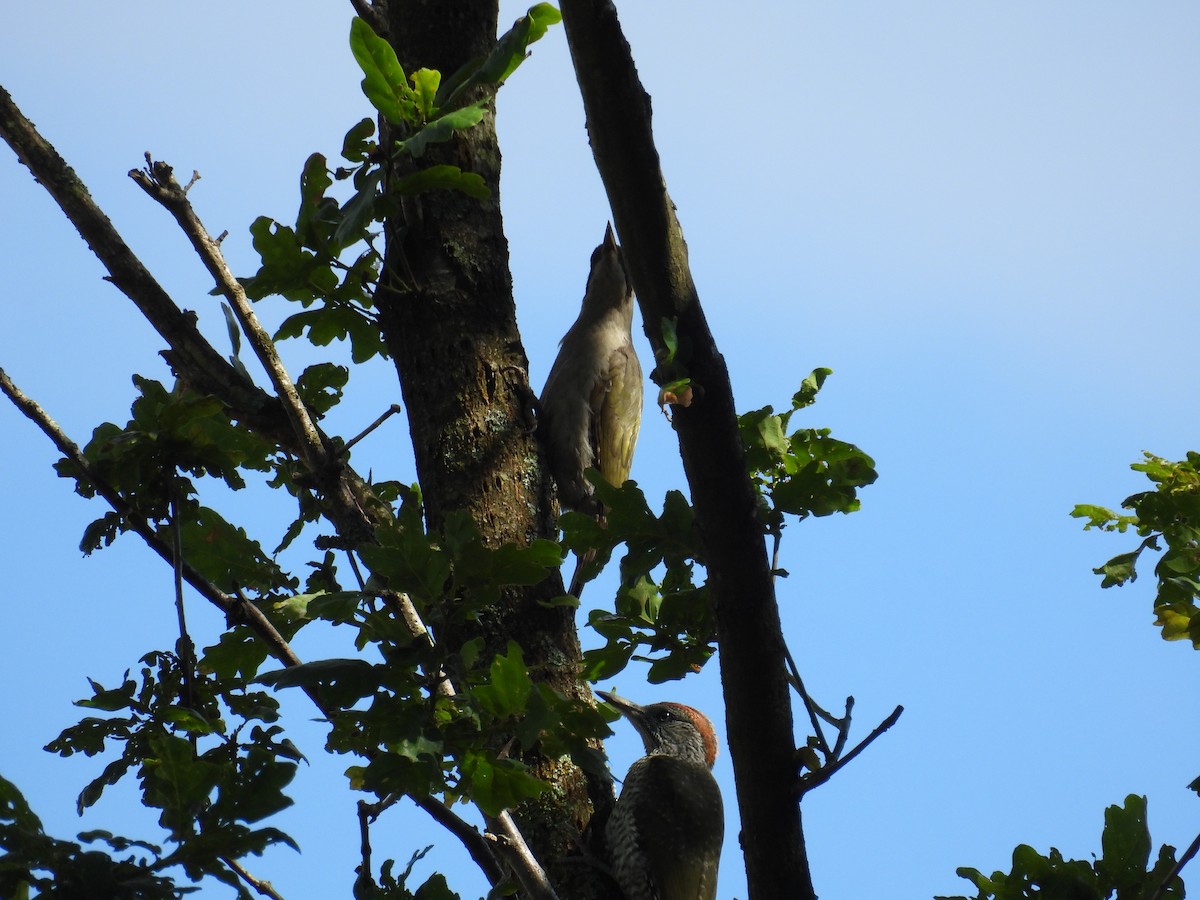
(591, 407)
(665, 833)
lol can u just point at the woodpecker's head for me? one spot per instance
(670, 729)
(608, 284)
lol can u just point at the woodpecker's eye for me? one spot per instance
(665, 715)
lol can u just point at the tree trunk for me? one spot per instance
(448, 317)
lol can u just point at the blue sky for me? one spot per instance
(984, 217)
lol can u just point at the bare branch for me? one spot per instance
(391, 411)
(263, 887)
(190, 353)
(187, 650)
(815, 779)
(158, 180)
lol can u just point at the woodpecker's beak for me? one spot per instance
(610, 240)
(627, 708)
(619, 703)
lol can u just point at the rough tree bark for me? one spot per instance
(448, 317)
(757, 700)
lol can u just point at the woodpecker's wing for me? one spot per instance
(565, 420)
(617, 416)
(665, 832)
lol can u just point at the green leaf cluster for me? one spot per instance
(1123, 871)
(660, 615)
(304, 263)
(453, 576)
(416, 737)
(1167, 519)
(328, 262)
(806, 473)
(170, 433)
(35, 861)
(420, 101)
(210, 779)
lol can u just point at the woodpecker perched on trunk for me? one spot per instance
(665, 833)
(591, 406)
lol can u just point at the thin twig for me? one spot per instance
(187, 650)
(777, 539)
(843, 729)
(375, 810)
(190, 353)
(819, 777)
(814, 710)
(391, 411)
(354, 567)
(158, 180)
(809, 706)
(1161, 890)
(366, 874)
(260, 885)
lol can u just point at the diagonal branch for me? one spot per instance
(757, 701)
(822, 775)
(190, 353)
(1165, 885)
(263, 887)
(187, 649)
(526, 867)
(234, 608)
(477, 845)
(191, 356)
(158, 180)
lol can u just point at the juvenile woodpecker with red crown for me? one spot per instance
(665, 833)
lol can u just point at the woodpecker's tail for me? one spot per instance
(577, 580)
